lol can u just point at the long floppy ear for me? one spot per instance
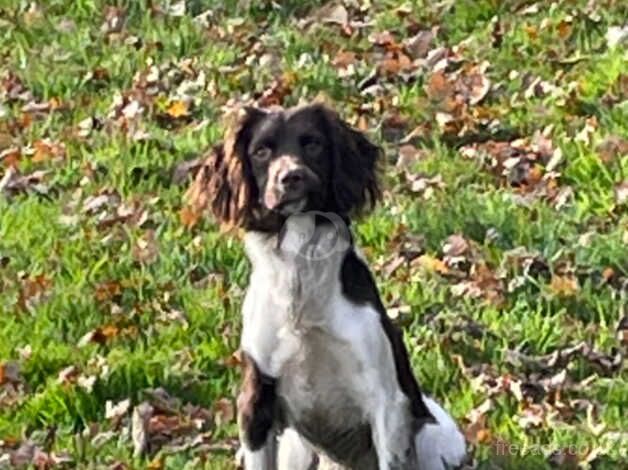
(224, 183)
(355, 167)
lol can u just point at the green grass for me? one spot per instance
(65, 273)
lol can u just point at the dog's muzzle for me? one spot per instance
(289, 181)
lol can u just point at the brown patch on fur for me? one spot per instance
(223, 184)
(256, 404)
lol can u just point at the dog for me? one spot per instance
(327, 381)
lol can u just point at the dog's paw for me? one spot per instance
(440, 446)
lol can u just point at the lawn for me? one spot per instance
(500, 246)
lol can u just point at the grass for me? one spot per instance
(160, 296)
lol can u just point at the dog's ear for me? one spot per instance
(224, 183)
(355, 166)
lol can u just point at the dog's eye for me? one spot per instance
(262, 153)
(312, 147)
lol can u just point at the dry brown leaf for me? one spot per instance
(12, 182)
(186, 170)
(337, 14)
(419, 45)
(430, 263)
(45, 150)
(189, 217)
(531, 31)
(455, 245)
(344, 59)
(158, 462)
(564, 286)
(223, 411)
(408, 154)
(438, 87)
(382, 38)
(10, 157)
(477, 431)
(395, 63)
(32, 290)
(612, 148)
(99, 335)
(106, 291)
(564, 29)
(9, 372)
(146, 249)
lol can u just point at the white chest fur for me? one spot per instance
(299, 327)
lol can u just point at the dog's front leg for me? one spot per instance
(393, 436)
(257, 404)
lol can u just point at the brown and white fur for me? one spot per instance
(327, 379)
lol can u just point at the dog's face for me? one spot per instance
(290, 157)
(276, 163)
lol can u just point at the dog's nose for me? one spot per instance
(292, 179)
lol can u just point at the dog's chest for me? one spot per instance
(322, 396)
(326, 352)
(322, 378)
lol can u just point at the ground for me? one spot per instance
(500, 245)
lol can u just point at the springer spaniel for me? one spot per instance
(327, 379)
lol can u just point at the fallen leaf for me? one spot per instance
(33, 290)
(177, 109)
(114, 20)
(564, 29)
(621, 192)
(616, 35)
(419, 45)
(564, 286)
(10, 157)
(438, 87)
(45, 149)
(612, 148)
(67, 375)
(176, 9)
(455, 246)
(142, 414)
(13, 183)
(99, 335)
(477, 431)
(146, 249)
(408, 155)
(108, 290)
(86, 382)
(186, 170)
(118, 410)
(9, 372)
(189, 217)
(344, 59)
(432, 264)
(338, 14)
(425, 186)
(223, 410)
(396, 312)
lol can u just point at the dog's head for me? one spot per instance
(276, 163)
